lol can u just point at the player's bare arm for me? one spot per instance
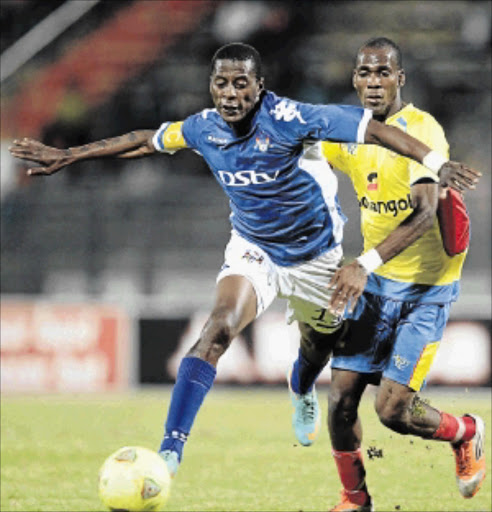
(130, 145)
(349, 282)
(451, 174)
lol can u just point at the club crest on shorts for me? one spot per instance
(400, 362)
(252, 256)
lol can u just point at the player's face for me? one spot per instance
(235, 89)
(377, 80)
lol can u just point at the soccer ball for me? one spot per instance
(134, 479)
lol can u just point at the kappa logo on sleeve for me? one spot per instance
(287, 111)
(219, 141)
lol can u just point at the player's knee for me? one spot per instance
(219, 331)
(342, 405)
(394, 414)
(389, 417)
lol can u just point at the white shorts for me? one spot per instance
(305, 286)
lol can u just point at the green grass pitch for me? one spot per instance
(241, 456)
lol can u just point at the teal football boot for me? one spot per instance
(172, 461)
(306, 418)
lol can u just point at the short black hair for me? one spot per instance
(382, 42)
(240, 52)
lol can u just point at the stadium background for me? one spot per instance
(108, 268)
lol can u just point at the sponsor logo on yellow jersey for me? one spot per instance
(394, 206)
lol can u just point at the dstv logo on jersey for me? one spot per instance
(243, 178)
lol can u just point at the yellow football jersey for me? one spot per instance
(382, 181)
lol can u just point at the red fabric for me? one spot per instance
(454, 223)
(351, 469)
(470, 428)
(448, 428)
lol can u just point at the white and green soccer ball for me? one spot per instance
(134, 479)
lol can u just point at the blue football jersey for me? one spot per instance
(282, 193)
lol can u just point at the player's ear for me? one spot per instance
(261, 86)
(401, 78)
(354, 74)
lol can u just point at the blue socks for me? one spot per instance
(194, 380)
(304, 374)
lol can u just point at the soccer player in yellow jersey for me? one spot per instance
(399, 291)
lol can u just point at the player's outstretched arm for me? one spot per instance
(451, 174)
(131, 145)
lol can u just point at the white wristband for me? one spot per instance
(434, 161)
(370, 261)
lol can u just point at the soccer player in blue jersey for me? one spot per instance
(401, 288)
(286, 220)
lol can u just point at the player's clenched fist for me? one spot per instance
(51, 159)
